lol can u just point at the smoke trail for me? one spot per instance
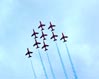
(43, 65)
(51, 66)
(33, 69)
(72, 65)
(61, 62)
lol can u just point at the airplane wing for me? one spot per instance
(65, 36)
(41, 36)
(53, 25)
(32, 35)
(26, 53)
(45, 34)
(52, 37)
(61, 38)
(43, 24)
(43, 46)
(47, 45)
(36, 33)
(39, 26)
(38, 43)
(34, 44)
(49, 27)
(56, 35)
(30, 52)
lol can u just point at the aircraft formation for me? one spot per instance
(43, 36)
(45, 47)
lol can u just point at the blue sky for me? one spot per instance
(76, 18)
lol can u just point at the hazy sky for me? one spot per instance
(76, 18)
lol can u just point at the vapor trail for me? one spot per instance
(50, 66)
(64, 69)
(72, 65)
(33, 69)
(43, 65)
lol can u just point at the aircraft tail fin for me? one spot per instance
(65, 40)
(36, 37)
(37, 47)
(55, 39)
(44, 38)
(42, 29)
(52, 29)
(29, 56)
(46, 49)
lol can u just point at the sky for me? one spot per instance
(76, 18)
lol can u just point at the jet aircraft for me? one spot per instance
(36, 44)
(34, 34)
(64, 37)
(41, 26)
(43, 36)
(28, 53)
(51, 27)
(53, 36)
(44, 46)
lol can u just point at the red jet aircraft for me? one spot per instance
(64, 37)
(51, 27)
(36, 43)
(53, 36)
(34, 34)
(28, 53)
(41, 26)
(43, 36)
(44, 46)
